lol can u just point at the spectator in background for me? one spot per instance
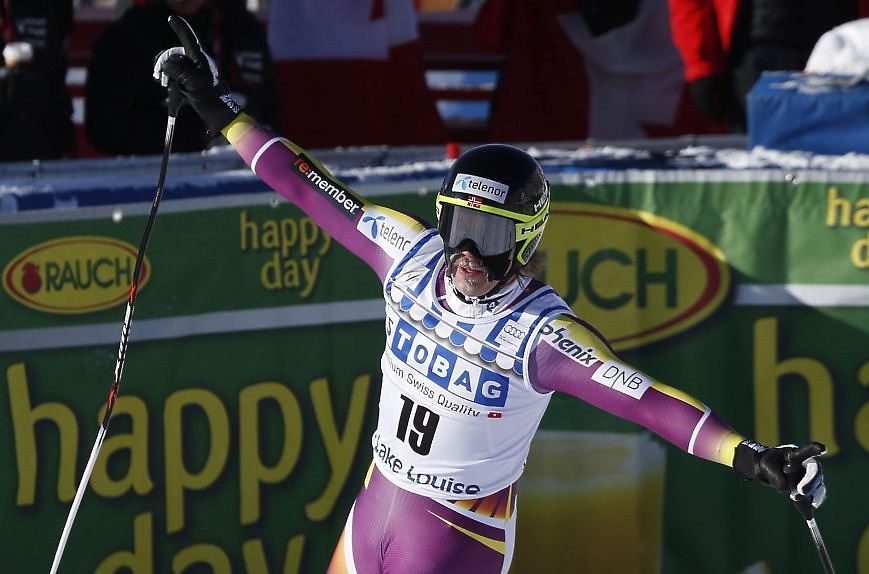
(35, 106)
(119, 124)
(352, 73)
(843, 50)
(603, 69)
(726, 44)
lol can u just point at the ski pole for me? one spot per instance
(174, 105)
(805, 457)
(804, 506)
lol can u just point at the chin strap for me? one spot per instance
(488, 303)
(490, 297)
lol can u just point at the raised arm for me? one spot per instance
(375, 234)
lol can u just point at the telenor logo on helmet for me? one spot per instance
(496, 191)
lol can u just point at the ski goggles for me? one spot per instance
(493, 230)
(491, 234)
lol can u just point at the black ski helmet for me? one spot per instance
(494, 198)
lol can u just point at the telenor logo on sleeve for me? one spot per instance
(74, 275)
(472, 184)
(390, 233)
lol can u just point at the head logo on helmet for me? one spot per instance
(508, 185)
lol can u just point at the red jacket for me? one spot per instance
(702, 30)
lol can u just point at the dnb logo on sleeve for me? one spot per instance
(609, 372)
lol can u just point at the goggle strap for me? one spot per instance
(486, 208)
(526, 225)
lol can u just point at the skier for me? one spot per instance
(474, 349)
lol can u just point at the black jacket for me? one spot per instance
(125, 111)
(35, 105)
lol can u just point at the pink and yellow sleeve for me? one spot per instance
(572, 358)
(350, 219)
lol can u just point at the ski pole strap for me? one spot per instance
(745, 459)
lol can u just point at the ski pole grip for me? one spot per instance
(795, 458)
(187, 37)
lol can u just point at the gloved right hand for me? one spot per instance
(191, 75)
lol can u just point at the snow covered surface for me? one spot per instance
(374, 170)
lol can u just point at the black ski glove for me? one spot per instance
(787, 468)
(191, 75)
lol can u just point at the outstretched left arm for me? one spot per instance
(572, 358)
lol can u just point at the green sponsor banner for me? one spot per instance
(242, 430)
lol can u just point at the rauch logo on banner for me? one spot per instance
(636, 276)
(74, 275)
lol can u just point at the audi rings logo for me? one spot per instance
(514, 331)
